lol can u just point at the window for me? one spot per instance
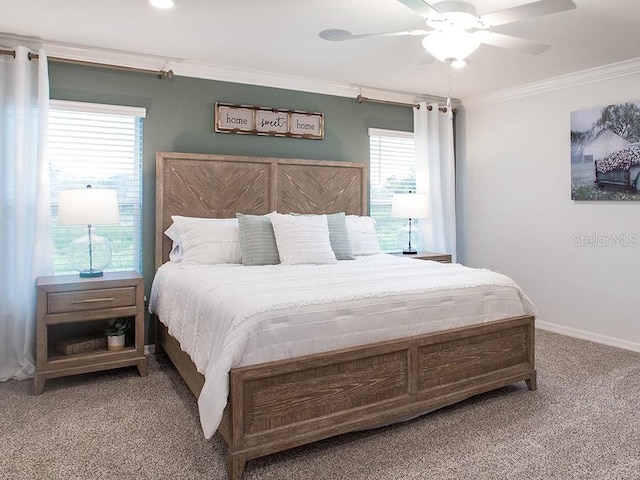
(100, 145)
(392, 170)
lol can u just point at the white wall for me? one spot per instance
(516, 216)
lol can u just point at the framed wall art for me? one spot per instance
(251, 120)
(605, 152)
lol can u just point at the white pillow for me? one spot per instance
(175, 255)
(208, 241)
(363, 236)
(302, 239)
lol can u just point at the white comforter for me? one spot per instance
(226, 316)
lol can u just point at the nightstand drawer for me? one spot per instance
(91, 300)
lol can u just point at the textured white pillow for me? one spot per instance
(208, 241)
(302, 239)
(363, 236)
(175, 255)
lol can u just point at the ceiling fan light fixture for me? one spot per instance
(162, 3)
(451, 46)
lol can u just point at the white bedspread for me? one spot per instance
(226, 316)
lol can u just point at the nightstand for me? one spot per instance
(70, 307)
(436, 257)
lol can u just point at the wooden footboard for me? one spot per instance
(280, 405)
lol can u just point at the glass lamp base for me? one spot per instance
(90, 254)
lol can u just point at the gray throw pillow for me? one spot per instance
(339, 236)
(257, 240)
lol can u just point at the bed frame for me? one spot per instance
(280, 405)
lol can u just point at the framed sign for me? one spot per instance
(229, 118)
(246, 119)
(306, 124)
(272, 122)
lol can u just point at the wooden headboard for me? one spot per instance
(219, 186)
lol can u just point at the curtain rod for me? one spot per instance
(160, 73)
(33, 56)
(362, 99)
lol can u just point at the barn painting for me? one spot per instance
(605, 153)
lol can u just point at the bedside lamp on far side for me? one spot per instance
(89, 254)
(411, 206)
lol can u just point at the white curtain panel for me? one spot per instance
(25, 225)
(435, 175)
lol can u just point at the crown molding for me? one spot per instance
(584, 77)
(264, 79)
(221, 73)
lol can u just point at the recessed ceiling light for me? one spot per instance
(162, 3)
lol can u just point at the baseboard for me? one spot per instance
(584, 335)
(149, 349)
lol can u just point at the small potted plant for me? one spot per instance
(115, 334)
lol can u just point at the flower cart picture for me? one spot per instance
(620, 169)
(115, 332)
(605, 153)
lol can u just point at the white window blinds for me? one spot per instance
(100, 145)
(392, 170)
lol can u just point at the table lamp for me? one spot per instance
(410, 205)
(89, 254)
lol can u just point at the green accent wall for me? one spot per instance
(180, 118)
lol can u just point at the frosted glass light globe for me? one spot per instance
(449, 46)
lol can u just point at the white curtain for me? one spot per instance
(25, 228)
(435, 175)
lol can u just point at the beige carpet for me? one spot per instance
(582, 423)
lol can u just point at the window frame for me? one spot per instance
(135, 209)
(386, 226)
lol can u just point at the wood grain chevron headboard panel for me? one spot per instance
(219, 186)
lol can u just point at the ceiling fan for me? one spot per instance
(455, 31)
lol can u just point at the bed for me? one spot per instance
(284, 403)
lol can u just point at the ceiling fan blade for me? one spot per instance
(528, 10)
(422, 8)
(336, 35)
(512, 43)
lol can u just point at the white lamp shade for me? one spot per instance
(449, 46)
(88, 206)
(410, 205)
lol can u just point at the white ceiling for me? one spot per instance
(280, 37)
